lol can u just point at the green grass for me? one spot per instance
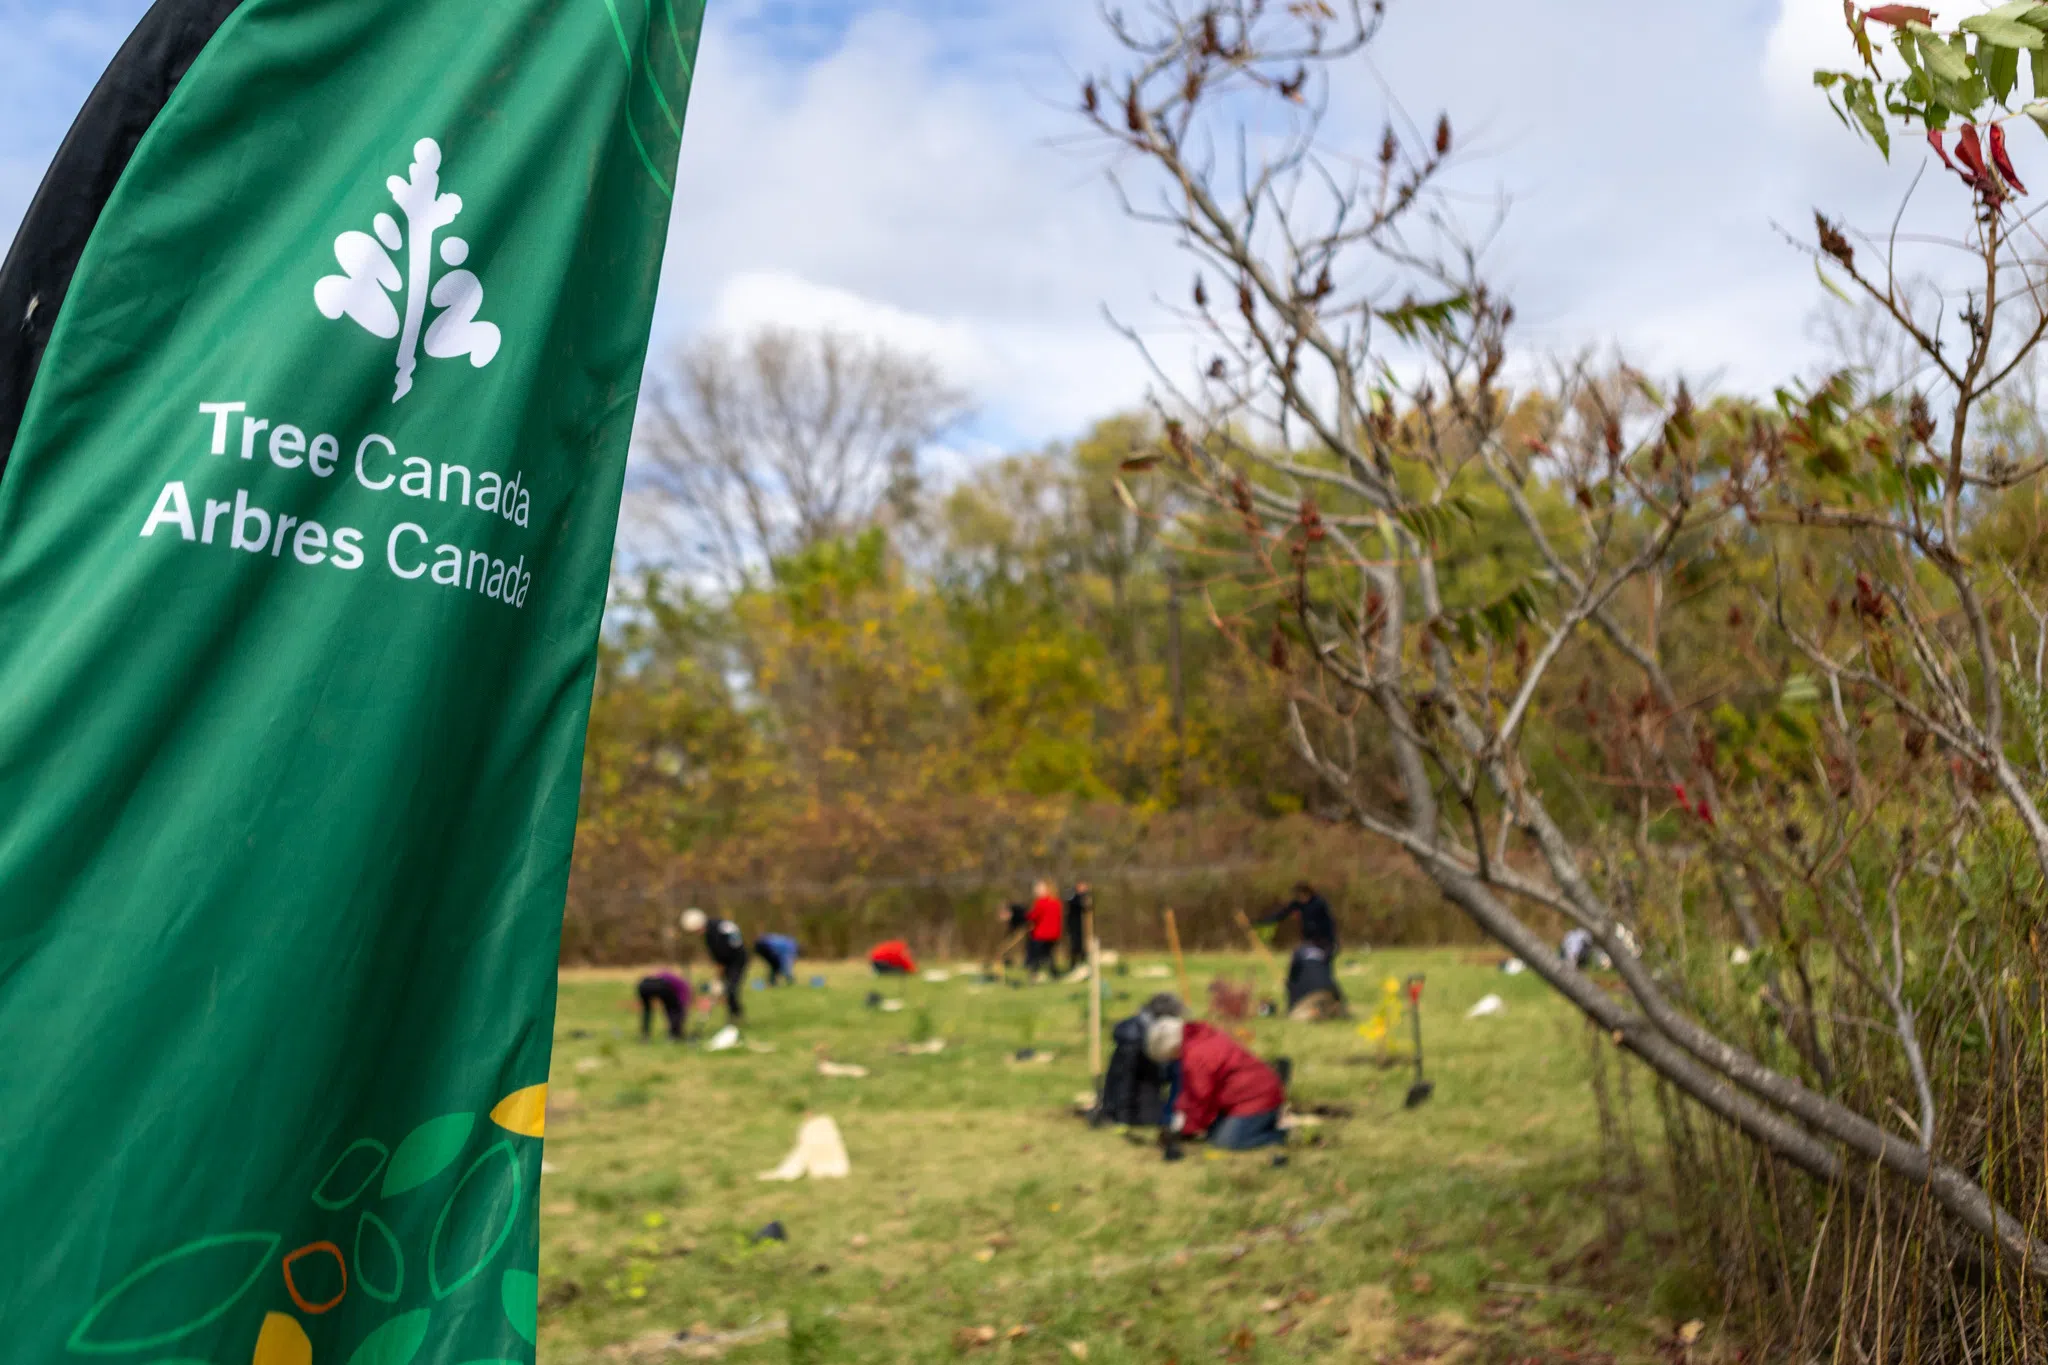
(977, 1202)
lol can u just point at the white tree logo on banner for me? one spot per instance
(369, 277)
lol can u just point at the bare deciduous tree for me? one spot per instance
(1351, 405)
(759, 447)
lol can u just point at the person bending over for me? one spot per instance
(1223, 1090)
(673, 993)
(892, 959)
(778, 952)
(728, 948)
(1048, 922)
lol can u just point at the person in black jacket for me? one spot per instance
(1318, 925)
(1309, 977)
(728, 948)
(1078, 906)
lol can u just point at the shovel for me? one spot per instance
(1422, 1089)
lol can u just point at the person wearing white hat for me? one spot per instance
(728, 948)
(1223, 1090)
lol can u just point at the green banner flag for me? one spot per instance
(304, 539)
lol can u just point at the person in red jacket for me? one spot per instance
(892, 959)
(1223, 1089)
(1048, 925)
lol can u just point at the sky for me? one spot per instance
(909, 169)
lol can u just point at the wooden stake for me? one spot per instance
(1259, 946)
(1009, 946)
(1094, 998)
(1180, 966)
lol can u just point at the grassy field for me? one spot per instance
(983, 1220)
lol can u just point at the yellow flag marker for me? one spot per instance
(524, 1112)
(282, 1342)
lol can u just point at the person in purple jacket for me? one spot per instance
(674, 994)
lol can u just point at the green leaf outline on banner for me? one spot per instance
(77, 1341)
(511, 1158)
(329, 1202)
(363, 1281)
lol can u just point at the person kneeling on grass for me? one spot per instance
(892, 959)
(1223, 1090)
(674, 994)
(779, 952)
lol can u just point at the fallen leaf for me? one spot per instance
(1272, 1305)
(1019, 1330)
(985, 1255)
(858, 1240)
(1421, 1282)
(1078, 1349)
(1691, 1331)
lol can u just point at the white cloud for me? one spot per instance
(776, 298)
(895, 185)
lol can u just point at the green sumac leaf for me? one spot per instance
(1412, 319)
(1800, 690)
(2000, 32)
(1828, 283)
(1908, 45)
(1861, 97)
(1942, 61)
(1430, 522)
(2002, 69)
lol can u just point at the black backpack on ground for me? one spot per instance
(1133, 1085)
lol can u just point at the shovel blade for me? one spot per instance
(1418, 1092)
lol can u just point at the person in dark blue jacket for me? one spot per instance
(1318, 925)
(779, 952)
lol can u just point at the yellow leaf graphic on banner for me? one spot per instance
(524, 1112)
(282, 1342)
